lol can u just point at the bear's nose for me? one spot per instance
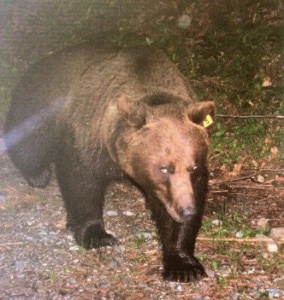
(188, 212)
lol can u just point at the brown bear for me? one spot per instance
(102, 113)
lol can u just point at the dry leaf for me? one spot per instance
(274, 150)
(266, 81)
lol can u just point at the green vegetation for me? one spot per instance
(229, 226)
(51, 276)
(138, 241)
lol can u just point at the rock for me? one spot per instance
(239, 234)
(251, 271)
(263, 224)
(129, 213)
(272, 247)
(211, 274)
(277, 233)
(216, 222)
(179, 288)
(112, 213)
(74, 248)
(184, 21)
(260, 179)
(275, 293)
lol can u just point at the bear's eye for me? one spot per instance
(165, 170)
(192, 169)
(169, 169)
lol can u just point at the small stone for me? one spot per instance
(129, 213)
(216, 222)
(277, 233)
(239, 234)
(260, 179)
(272, 247)
(184, 21)
(141, 200)
(69, 237)
(263, 224)
(73, 281)
(274, 293)
(112, 213)
(211, 274)
(142, 285)
(179, 288)
(74, 248)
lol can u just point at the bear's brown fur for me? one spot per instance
(103, 113)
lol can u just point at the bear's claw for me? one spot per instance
(182, 271)
(184, 276)
(93, 235)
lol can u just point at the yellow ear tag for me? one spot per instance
(207, 121)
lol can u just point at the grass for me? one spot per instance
(228, 226)
(51, 276)
(231, 260)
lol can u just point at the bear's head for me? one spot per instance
(162, 146)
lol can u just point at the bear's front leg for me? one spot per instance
(178, 252)
(178, 243)
(178, 256)
(92, 234)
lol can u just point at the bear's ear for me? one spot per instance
(202, 113)
(133, 112)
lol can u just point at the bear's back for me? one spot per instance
(106, 74)
(78, 85)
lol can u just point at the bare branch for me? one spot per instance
(239, 240)
(251, 117)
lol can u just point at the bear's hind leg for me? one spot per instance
(83, 195)
(31, 148)
(39, 179)
(33, 160)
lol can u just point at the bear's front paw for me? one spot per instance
(93, 235)
(183, 269)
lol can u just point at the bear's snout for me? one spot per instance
(188, 212)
